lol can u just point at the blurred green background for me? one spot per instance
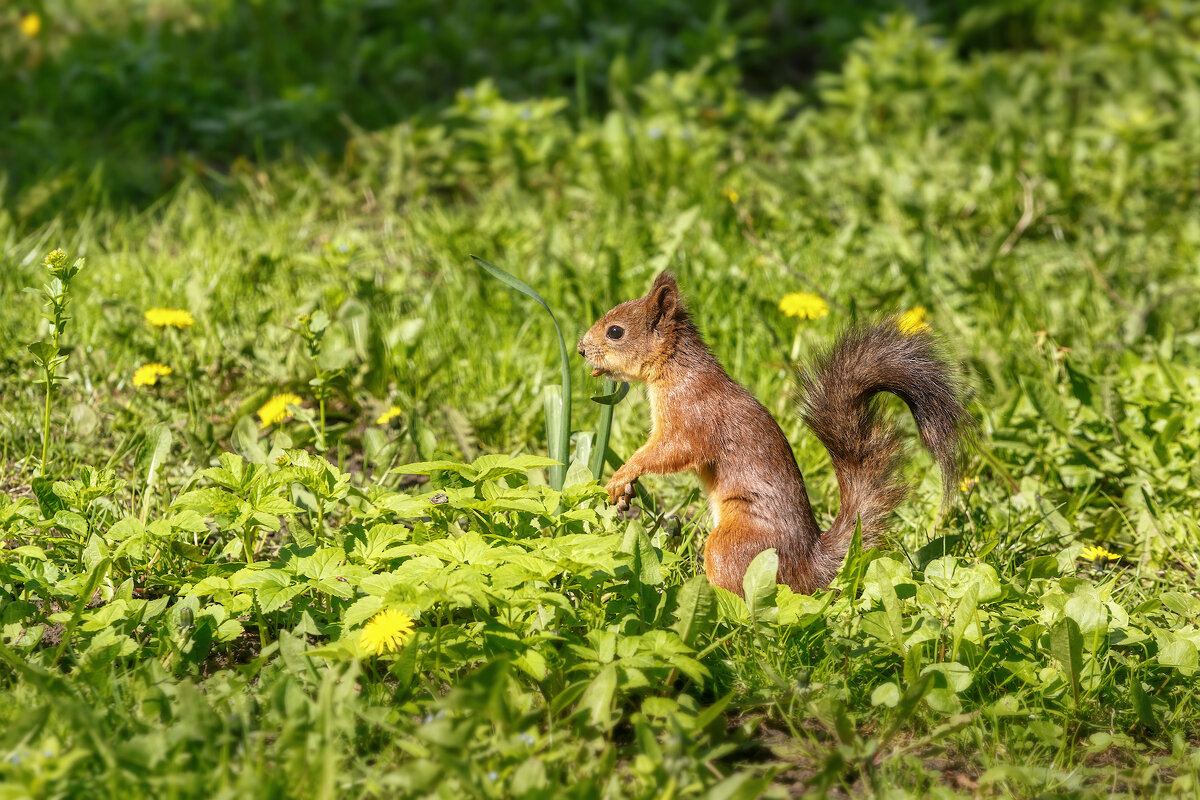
(128, 85)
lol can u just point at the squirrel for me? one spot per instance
(703, 420)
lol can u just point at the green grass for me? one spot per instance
(1040, 200)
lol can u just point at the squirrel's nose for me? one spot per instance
(579, 348)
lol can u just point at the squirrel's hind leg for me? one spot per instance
(740, 536)
(732, 545)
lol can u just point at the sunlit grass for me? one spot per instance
(184, 608)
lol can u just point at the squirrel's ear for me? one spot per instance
(664, 298)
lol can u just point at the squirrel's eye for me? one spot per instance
(615, 332)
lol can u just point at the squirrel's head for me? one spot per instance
(632, 341)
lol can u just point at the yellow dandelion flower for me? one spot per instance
(967, 484)
(803, 305)
(386, 631)
(913, 320)
(275, 410)
(1097, 553)
(31, 25)
(389, 415)
(170, 317)
(148, 374)
(732, 195)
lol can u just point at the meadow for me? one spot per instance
(276, 508)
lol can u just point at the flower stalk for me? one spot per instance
(46, 352)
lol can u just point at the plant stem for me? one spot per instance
(321, 405)
(46, 424)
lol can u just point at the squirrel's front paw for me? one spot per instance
(620, 489)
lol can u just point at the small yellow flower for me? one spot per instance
(967, 484)
(170, 317)
(275, 410)
(386, 631)
(803, 305)
(913, 320)
(31, 25)
(148, 374)
(732, 195)
(1097, 553)
(389, 415)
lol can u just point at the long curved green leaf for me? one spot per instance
(560, 440)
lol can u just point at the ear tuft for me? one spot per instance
(663, 298)
(664, 279)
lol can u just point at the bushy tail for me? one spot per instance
(840, 407)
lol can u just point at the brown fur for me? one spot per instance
(702, 420)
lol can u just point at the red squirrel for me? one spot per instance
(703, 420)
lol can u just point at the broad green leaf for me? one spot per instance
(1088, 612)
(887, 694)
(646, 564)
(1066, 645)
(759, 585)
(957, 676)
(695, 609)
(1180, 654)
(597, 698)
(430, 467)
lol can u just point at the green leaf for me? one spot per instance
(1141, 704)
(964, 615)
(740, 786)
(887, 694)
(909, 702)
(1047, 403)
(1088, 613)
(561, 436)
(597, 698)
(25, 728)
(1179, 653)
(646, 564)
(29, 551)
(759, 585)
(430, 467)
(695, 609)
(49, 502)
(362, 610)
(1066, 645)
(611, 397)
(274, 596)
(939, 547)
(44, 352)
(957, 676)
(491, 467)
(154, 451)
